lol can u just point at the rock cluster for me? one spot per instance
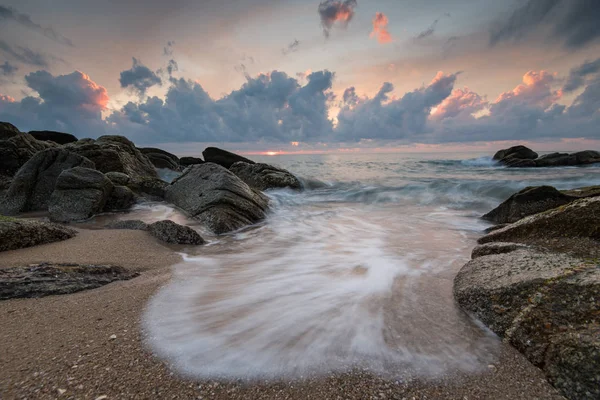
(523, 157)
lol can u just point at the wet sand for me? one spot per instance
(63, 346)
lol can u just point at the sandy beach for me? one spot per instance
(63, 346)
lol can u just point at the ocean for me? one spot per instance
(356, 273)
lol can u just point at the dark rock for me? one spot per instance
(223, 157)
(545, 305)
(583, 192)
(152, 188)
(162, 161)
(520, 152)
(495, 248)
(265, 176)
(17, 150)
(8, 130)
(52, 136)
(187, 161)
(16, 233)
(514, 162)
(120, 198)
(529, 201)
(579, 219)
(132, 224)
(217, 197)
(32, 186)
(494, 228)
(170, 232)
(52, 279)
(115, 154)
(313, 184)
(587, 157)
(118, 178)
(80, 193)
(556, 160)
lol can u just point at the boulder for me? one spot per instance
(115, 154)
(17, 150)
(16, 233)
(80, 193)
(514, 162)
(161, 158)
(223, 157)
(32, 186)
(120, 198)
(587, 157)
(217, 197)
(265, 176)
(545, 305)
(529, 201)
(495, 248)
(518, 152)
(8, 130)
(152, 188)
(132, 224)
(170, 232)
(52, 136)
(118, 178)
(579, 219)
(187, 161)
(555, 160)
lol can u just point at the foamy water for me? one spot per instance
(355, 275)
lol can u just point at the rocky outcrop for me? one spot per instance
(544, 304)
(170, 232)
(217, 197)
(265, 176)
(18, 233)
(8, 130)
(529, 201)
(80, 193)
(15, 151)
(223, 158)
(161, 159)
(52, 136)
(187, 161)
(120, 198)
(115, 154)
(53, 279)
(523, 157)
(32, 186)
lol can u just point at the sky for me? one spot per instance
(304, 75)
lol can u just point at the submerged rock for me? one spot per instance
(80, 193)
(52, 136)
(53, 279)
(33, 185)
(170, 232)
(18, 233)
(265, 176)
(529, 201)
(223, 158)
(217, 197)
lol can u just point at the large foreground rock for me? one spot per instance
(265, 176)
(544, 304)
(32, 186)
(80, 193)
(170, 232)
(16, 150)
(223, 157)
(20, 233)
(217, 197)
(115, 154)
(52, 279)
(529, 201)
(53, 136)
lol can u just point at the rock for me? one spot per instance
(513, 162)
(133, 224)
(32, 186)
(187, 161)
(80, 193)
(118, 178)
(579, 219)
(52, 136)
(170, 232)
(495, 248)
(519, 152)
(529, 201)
(8, 130)
(265, 176)
(545, 305)
(52, 279)
(587, 157)
(217, 197)
(17, 150)
(223, 157)
(115, 154)
(120, 198)
(153, 188)
(494, 228)
(16, 233)
(161, 158)
(588, 191)
(555, 160)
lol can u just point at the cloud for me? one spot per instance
(140, 78)
(460, 103)
(168, 49)
(572, 22)
(7, 69)
(11, 14)
(430, 31)
(380, 23)
(24, 55)
(336, 11)
(578, 75)
(291, 48)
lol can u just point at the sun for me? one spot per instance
(271, 153)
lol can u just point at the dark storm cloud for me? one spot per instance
(291, 48)
(573, 22)
(579, 75)
(24, 55)
(7, 69)
(332, 11)
(139, 77)
(11, 14)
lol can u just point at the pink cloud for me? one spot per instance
(380, 23)
(462, 102)
(536, 89)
